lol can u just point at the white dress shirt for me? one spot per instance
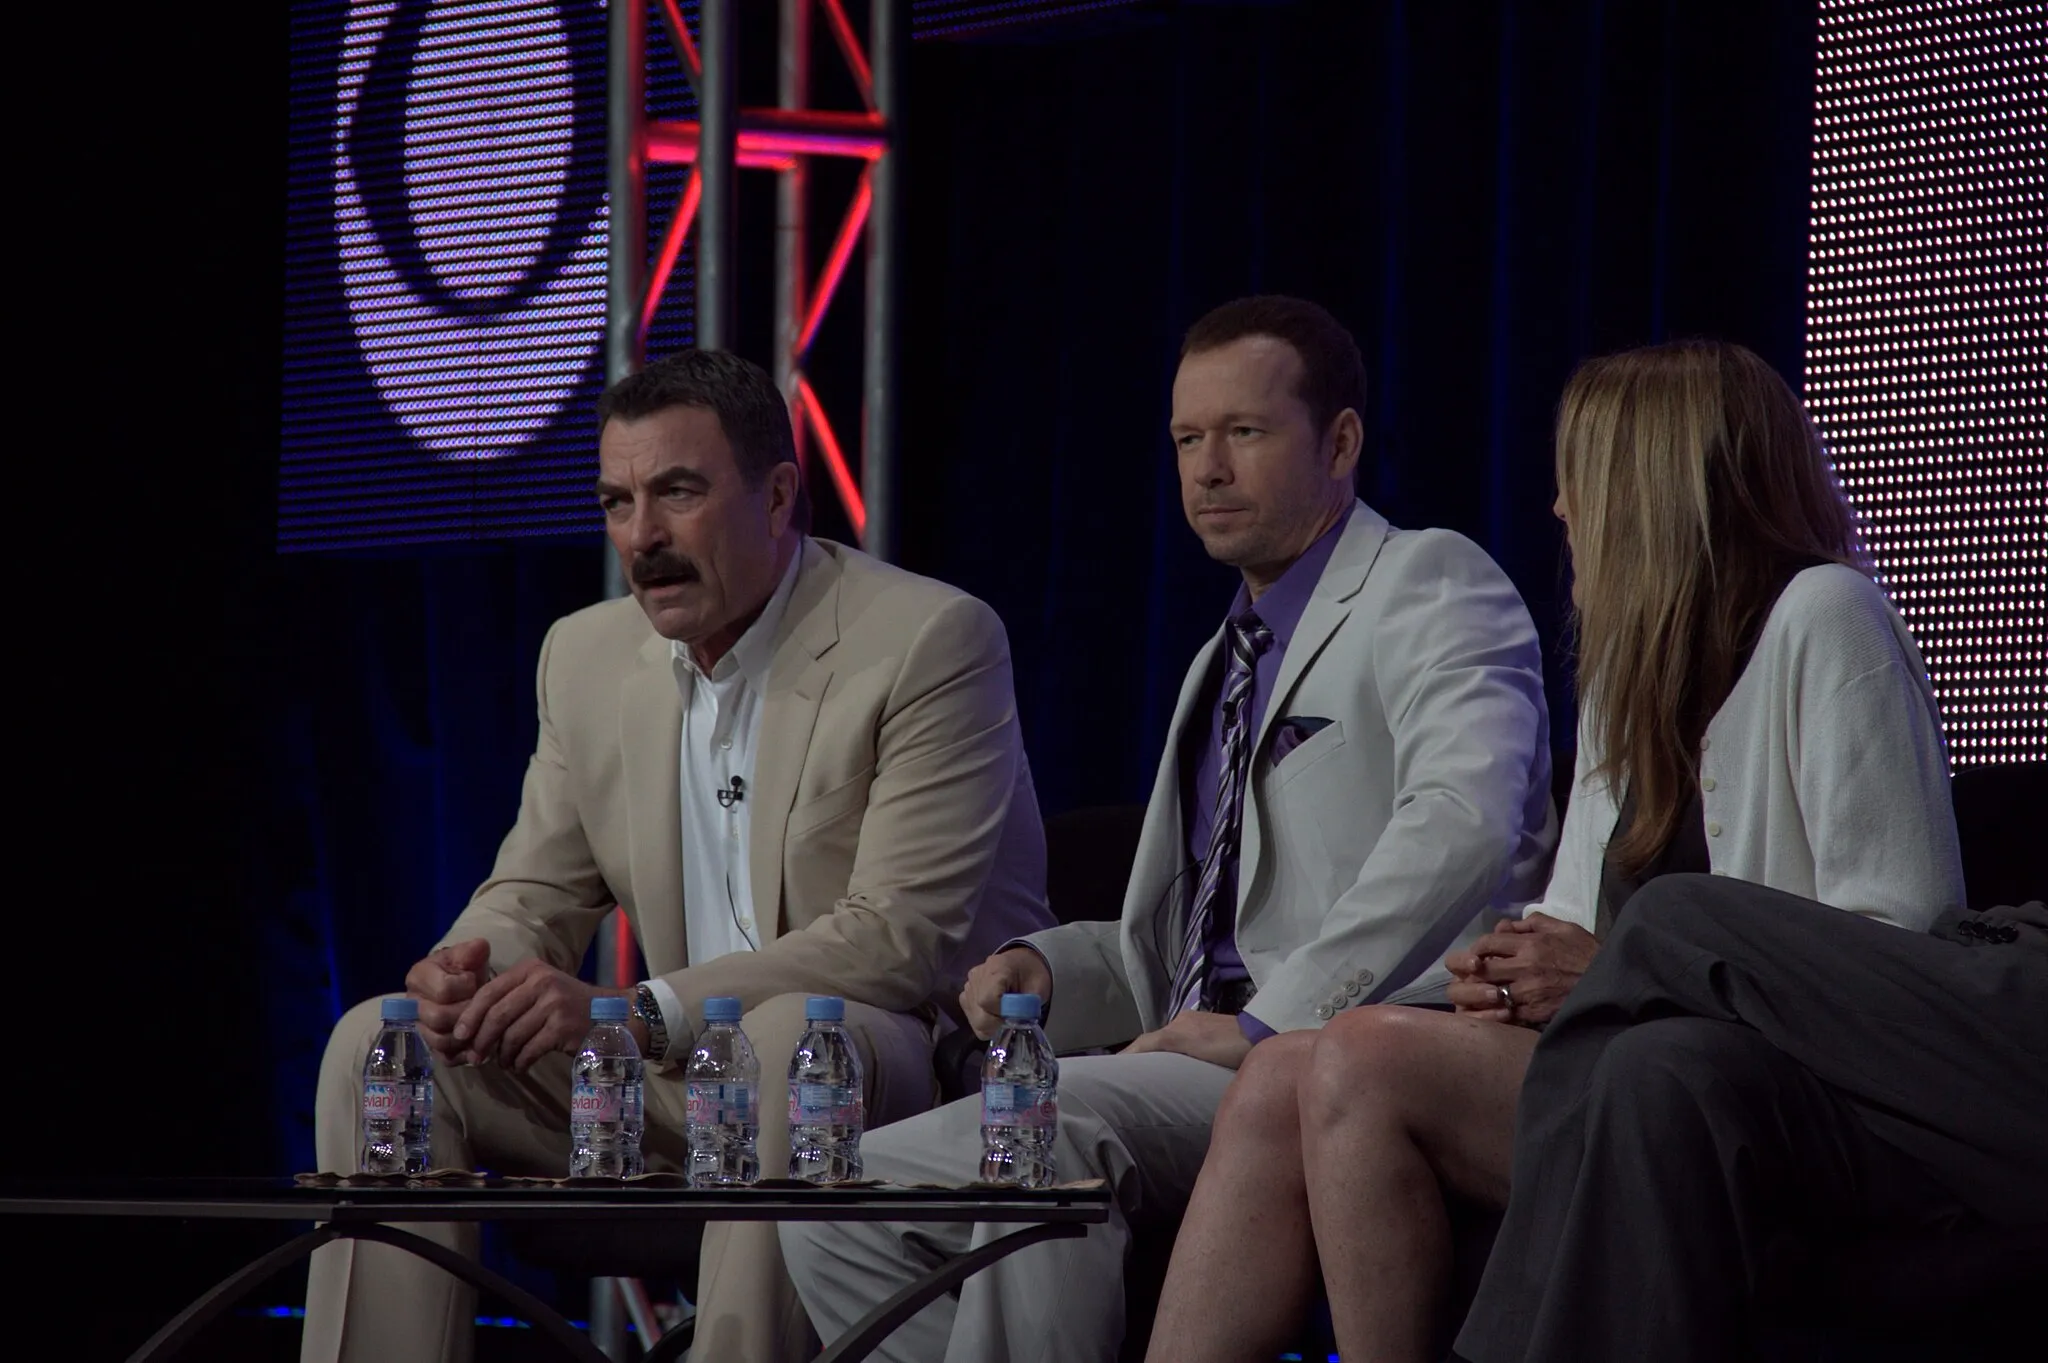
(721, 734)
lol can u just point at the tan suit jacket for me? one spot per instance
(895, 839)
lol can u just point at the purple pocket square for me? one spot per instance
(1292, 732)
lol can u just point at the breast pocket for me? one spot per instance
(1317, 747)
(1314, 787)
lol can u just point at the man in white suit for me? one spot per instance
(1359, 770)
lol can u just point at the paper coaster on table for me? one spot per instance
(1085, 1185)
(656, 1180)
(432, 1178)
(789, 1184)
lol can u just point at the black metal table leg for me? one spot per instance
(179, 1330)
(870, 1330)
(167, 1342)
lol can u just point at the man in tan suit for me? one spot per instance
(795, 769)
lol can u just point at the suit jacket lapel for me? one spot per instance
(650, 750)
(797, 681)
(1327, 609)
(1162, 850)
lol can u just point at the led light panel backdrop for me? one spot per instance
(1927, 337)
(445, 269)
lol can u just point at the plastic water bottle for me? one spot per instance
(724, 1086)
(826, 1106)
(398, 1095)
(1020, 1109)
(606, 1103)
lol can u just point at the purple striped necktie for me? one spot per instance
(1247, 637)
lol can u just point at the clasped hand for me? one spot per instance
(512, 1019)
(1538, 958)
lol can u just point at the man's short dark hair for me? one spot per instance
(750, 410)
(1332, 369)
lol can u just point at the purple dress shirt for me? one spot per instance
(1201, 754)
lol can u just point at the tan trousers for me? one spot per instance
(368, 1303)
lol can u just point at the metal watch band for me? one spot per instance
(648, 1009)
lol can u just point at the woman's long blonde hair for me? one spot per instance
(1694, 486)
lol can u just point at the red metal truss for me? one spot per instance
(781, 140)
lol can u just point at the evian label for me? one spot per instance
(1019, 1105)
(824, 1105)
(722, 1104)
(383, 1103)
(594, 1103)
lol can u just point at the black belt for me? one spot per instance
(1232, 996)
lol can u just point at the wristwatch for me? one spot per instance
(648, 1009)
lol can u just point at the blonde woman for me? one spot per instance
(1751, 706)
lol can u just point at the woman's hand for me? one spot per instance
(1537, 960)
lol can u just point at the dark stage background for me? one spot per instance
(260, 786)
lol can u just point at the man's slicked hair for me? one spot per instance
(1332, 369)
(750, 410)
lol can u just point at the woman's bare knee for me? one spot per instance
(1262, 1102)
(1371, 1060)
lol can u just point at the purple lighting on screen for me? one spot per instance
(1927, 337)
(489, 104)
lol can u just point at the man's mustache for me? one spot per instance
(662, 566)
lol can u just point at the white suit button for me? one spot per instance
(1703, 745)
(1325, 1011)
(1354, 989)
(1713, 830)
(1365, 977)
(1706, 783)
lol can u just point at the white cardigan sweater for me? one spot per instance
(1822, 775)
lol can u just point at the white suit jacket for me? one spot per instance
(1379, 843)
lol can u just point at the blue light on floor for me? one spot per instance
(488, 1322)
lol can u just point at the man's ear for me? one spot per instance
(783, 484)
(1346, 444)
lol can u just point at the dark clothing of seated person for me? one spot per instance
(1741, 1068)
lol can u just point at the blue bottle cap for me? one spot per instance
(820, 1008)
(721, 1009)
(1022, 1007)
(608, 1008)
(401, 1010)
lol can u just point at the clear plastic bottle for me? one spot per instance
(1020, 1109)
(605, 1106)
(724, 1086)
(827, 1108)
(398, 1095)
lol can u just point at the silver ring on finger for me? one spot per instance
(1507, 1000)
